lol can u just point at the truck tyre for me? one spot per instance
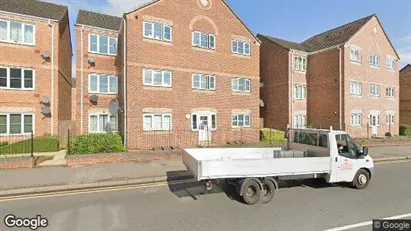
(361, 179)
(251, 192)
(268, 191)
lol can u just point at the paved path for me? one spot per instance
(311, 206)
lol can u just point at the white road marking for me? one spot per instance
(347, 227)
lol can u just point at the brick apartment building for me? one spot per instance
(35, 67)
(405, 95)
(347, 77)
(96, 71)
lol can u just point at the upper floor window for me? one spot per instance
(158, 31)
(241, 120)
(300, 92)
(102, 84)
(355, 54)
(158, 78)
(240, 47)
(241, 85)
(355, 88)
(103, 123)
(390, 64)
(389, 92)
(300, 121)
(203, 40)
(102, 44)
(16, 32)
(300, 63)
(16, 78)
(16, 123)
(374, 90)
(203, 82)
(375, 60)
(157, 122)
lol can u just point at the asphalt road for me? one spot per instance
(307, 205)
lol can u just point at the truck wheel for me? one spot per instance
(268, 191)
(361, 179)
(251, 192)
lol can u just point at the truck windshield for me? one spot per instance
(346, 146)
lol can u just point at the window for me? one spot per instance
(355, 54)
(300, 63)
(158, 31)
(389, 119)
(241, 120)
(390, 64)
(203, 120)
(16, 123)
(16, 32)
(16, 78)
(375, 60)
(300, 92)
(102, 84)
(374, 90)
(310, 138)
(203, 82)
(157, 78)
(102, 44)
(103, 123)
(300, 121)
(157, 122)
(355, 119)
(241, 85)
(203, 40)
(346, 146)
(389, 92)
(240, 47)
(374, 120)
(355, 88)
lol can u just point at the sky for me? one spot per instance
(294, 20)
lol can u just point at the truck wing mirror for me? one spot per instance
(365, 151)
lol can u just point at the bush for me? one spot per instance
(96, 143)
(40, 144)
(272, 136)
(405, 130)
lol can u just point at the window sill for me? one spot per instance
(210, 50)
(241, 128)
(356, 62)
(356, 126)
(376, 67)
(390, 69)
(98, 93)
(151, 40)
(157, 132)
(156, 88)
(203, 91)
(18, 44)
(300, 72)
(300, 100)
(356, 96)
(16, 89)
(240, 93)
(241, 56)
(100, 54)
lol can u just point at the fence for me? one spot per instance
(13, 145)
(64, 126)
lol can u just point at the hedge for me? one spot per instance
(95, 143)
(405, 130)
(40, 144)
(272, 136)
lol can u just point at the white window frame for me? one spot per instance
(237, 115)
(99, 130)
(163, 26)
(8, 40)
(210, 120)
(208, 80)
(390, 92)
(235, 85)
(377, 118)
(353, 57)
(375, 90)
(153, 72)
(374, 60)
(209, 36)
(109, 77)
(390, 63)
(152, 115)
(303, 63)
(22, 79)
(355, 88)
(7, 114)
(98, 44)
(300, 117)
(300, 92)
(244, 46)
(356, 119)
(390, 118)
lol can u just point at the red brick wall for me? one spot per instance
(405, 96)
(16, 162)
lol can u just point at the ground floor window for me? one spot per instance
(390, 118)
(300, 121)
(355, 119)
(157, 122)
(241, 120)
(16, 123)
(102, 123)
(203, 120)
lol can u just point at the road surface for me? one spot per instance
(307, 205)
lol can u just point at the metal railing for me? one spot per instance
(17, 145)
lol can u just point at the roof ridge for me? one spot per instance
(52, 3)
(94, 12)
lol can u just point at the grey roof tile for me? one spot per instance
(99, 20)
(34, 8)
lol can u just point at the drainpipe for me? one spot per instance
(82, 80)
(52, 79)
(340, 87)
(125, 81)
(290, 76)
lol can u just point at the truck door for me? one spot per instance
(345, 161)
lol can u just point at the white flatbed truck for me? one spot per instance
(310, 153)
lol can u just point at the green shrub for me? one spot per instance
(405, 130)
(272, 136)
(40, 144)
(96, 143)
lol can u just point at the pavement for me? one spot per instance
(305, 205)
(52, 179)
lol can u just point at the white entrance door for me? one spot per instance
(374, 123)
(204, 131)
